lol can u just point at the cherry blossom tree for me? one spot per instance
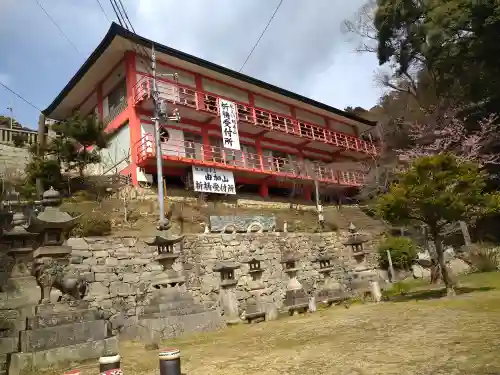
(447, 133)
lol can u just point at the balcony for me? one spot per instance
(191, 153)
(257, 117)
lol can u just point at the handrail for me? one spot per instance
(198, 154)
(204, 101)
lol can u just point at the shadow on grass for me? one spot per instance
(421, 295)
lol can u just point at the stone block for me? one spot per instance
(98, 289)
(90, 261)
(111, 262)
(21, 363)
(81, 253)
(103, 269)
(67, 317)
(65, 335)
(9, 345)
(78, 244)
(105, 277)
(118, 288)
(12, 320)
(100, 254)
(130, 278)
(174, 326)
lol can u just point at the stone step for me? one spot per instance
(21, 363)
(63, 335)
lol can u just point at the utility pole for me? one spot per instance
(11, 109)
(160, 114)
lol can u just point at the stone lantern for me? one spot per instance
(165, 242)
(227, 293)
(331, 291)
(363, 275)
(254, 307)
(20, 244)
(296, 299)
(52, 256)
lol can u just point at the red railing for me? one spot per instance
(202, 101)
(219, 157)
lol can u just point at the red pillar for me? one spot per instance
(263, 188)
(134, 122)
(308, 193)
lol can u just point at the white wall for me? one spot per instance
(224, 90)
(271, 105)
(116, 154)
(340, 127)
(310, 117)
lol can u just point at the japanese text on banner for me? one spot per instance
(229, 124)
(211, 180)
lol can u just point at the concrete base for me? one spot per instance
(21, 363)
(167, 327)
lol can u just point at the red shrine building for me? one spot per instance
(235, 133)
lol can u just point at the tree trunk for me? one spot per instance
(450, 290)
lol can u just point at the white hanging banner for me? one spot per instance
(229, 124)
(211, 180)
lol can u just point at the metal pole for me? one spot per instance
(11, 113)
(170, 361)
(391, 267)
(159, 158)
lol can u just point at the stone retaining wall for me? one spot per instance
(120, 270)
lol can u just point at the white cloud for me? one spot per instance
(303, 50)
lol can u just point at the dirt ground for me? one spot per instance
(415, 334)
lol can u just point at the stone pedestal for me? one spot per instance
(172, 312)
(255, 310)
(296, 299)
(227, 291)
(331, 292)
(59, 333)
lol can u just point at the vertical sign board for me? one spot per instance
(229, 124)
(211, 180)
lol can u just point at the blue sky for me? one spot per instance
(303, 50)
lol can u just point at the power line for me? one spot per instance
(122, 15)
(103, 11)
(20, 97)
(126, 15)
(261, 35)
(58, 27)
(118, 13)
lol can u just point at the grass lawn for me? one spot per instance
(417, 334)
